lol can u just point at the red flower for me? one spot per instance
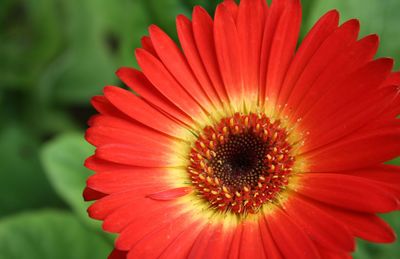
(241, 146)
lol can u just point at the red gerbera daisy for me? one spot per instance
(241, 146)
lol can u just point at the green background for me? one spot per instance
(54, 56)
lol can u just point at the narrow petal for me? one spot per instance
(332, 47)
(137, 109)
(270, 247)
(104, 106)
(161, 78)
(127, 180)
(99, 136)
(90, 195)
(282, 48)
(364, 225)
(346, 191)
(232, 7)
(203, 27)
(344, 92)
(138, 214)
(251, 15)
(99, 165)
(213, 242)
(228, 53)
(107, 205)
(170, 194)
(180, 247)
(294, 243)
(117, 254)
(251, 241)
(177, 65)
(365, 149)
(144, 155)
(311, 43)
(320, 226)
(138, 82)
(347, 119)
(188, 43)
(157, 241)
(147, 44)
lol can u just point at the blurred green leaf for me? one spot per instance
(49, 234)
(30, 36)
(23, 184)
(163, 13)
(376, 16)
(63, 160)
(100, 37)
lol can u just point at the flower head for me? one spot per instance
(239, 145)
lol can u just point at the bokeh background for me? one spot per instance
(54, 56)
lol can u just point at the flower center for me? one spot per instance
(241, 163)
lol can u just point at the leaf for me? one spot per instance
(101, 37)
(376, 16)
(49, 234)
(63, 160)
(23, 184)
(164, 13)
(30, 38)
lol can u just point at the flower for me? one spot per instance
(241, 145)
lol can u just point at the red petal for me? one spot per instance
(166, 84)
(311, 43)
(117, 254)
(355, 151)
(331, 48)
(158, 240)
(149, 223)
(232, 7)
(251, 242)
(147, 44)
(363, 225)
(99, 165)
(327, 254)
(228, 53)
(91, 195)
(126, 180)
(213, 242)
(326, 87)
(137, 211)
(177, 65)
(347, 191)
(283, 47)
(270, 247)
(143, 155)
(349, 118)
(252, 14)
(234, 250)
(180, 247)
(204, 37)
(294, 243)
(137, 109)
(170, 194)
(105, 206)
(320, 226)
(103, 106)
(343, 93)
(139, 83)
(99, 136)
(272, 19)
(186, 38)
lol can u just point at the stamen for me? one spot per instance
(241, 163)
